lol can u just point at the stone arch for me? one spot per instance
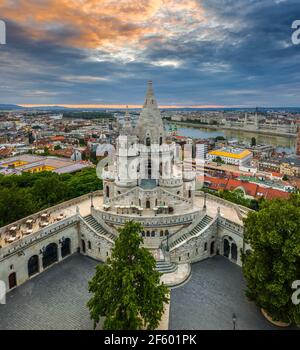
(12, 280)
(33, 265)
(234, 251)
(50, 255)
(147, 204)
(66, 247)
(226, 247)
(83, 245)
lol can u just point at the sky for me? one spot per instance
(228, 53)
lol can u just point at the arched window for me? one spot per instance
(160, 141)
(148, 204)
(107, 191)
(33, 265)
(161, 233)
(152, 233)
(190, 194)
(148, 141)
(205, 246)
(212, 248)
(89, 244)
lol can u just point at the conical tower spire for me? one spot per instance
(150, 101)
(127, 119)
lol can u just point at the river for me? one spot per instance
(282, 144)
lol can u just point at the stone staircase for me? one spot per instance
(201, 225)
(98, 228)
(165, 267)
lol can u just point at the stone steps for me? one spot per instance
(166, 267)
(98, 228)
(201, 225)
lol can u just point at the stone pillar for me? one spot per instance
(41, 268)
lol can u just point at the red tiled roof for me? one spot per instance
(251, 189)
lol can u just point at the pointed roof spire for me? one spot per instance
(150, 101)
(127, 119)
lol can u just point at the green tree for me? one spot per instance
(218, 159)
(49, 190)
(127, 289)
(46, 151)
(274, 262)
(15, 203)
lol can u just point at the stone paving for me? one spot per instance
(57, 299)
(214, 292)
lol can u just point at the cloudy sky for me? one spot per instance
(197, 52)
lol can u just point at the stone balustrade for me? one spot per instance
(172, 237)
(231, 226)
(25, 241)
(149, 221)
(50, 210)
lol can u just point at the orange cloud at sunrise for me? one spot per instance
(106, 24)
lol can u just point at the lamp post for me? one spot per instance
(91, 196)
(204, 205)
(167, 241)
(234, 321)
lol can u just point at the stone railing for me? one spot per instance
(149, 221)
(240, 210)
(172, 237)
(173, 182)
(43, 233)
(231, 226)
(91, 229)
(50, 210)
(213, 222)
(176, 197)
(95, 214)
(119, 197)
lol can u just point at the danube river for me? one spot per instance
(281, 143)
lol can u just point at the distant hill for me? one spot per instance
(8, 107)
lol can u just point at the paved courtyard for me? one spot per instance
(208, 301)
(57, 299)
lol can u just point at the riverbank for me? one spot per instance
(223, 127)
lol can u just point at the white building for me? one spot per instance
(142, 182)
